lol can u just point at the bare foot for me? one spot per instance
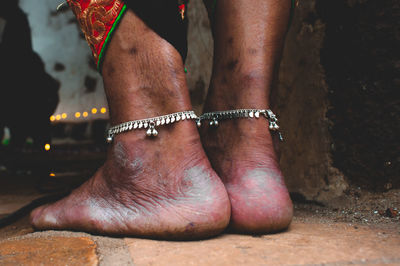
(242, 153)
(248, 41)
(162, 187)
(156, 188)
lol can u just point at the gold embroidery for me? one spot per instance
(94, 18)
(182, 8)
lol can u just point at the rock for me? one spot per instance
(48, 251)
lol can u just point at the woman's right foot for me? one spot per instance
(156, 188)
(161, 187)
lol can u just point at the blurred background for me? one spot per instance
(338, 100)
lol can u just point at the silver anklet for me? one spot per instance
(150, 123)
(242, 113)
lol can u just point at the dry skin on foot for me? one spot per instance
(165, 187)
(162, 187)
(242, 153)
(137, 193)
(248, 41)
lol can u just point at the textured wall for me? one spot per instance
(200, 53)
(338, 97)
(361, 59)
(302, 104)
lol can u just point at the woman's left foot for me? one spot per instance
(242, 153)
(248, 42)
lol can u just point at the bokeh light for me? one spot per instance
(47, 147)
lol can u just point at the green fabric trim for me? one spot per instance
(106, 42)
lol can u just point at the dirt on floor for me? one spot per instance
(23, 187)
(360, 207)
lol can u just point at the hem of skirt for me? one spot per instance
(108, 38)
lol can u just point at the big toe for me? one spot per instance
(44, 217)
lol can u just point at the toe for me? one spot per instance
(43, 217)
(36, 214)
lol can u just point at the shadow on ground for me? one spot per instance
(360, 227)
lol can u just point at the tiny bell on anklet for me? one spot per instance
(109, 139)
(214, 123)
(198, 123)
(152, 131)
(273, 126)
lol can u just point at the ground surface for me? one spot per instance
(358, 228)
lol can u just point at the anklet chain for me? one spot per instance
(150, 124)
(242, 113)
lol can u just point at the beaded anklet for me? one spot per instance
(150, 124)
(214, 117)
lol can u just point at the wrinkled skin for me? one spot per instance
(161, 187)
(248, 42)
(165, 187)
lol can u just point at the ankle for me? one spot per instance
(170, 139)
(247, 89)
(143, 74)
(154, 92)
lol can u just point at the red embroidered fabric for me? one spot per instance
(97, 19)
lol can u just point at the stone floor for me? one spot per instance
(361, 228)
